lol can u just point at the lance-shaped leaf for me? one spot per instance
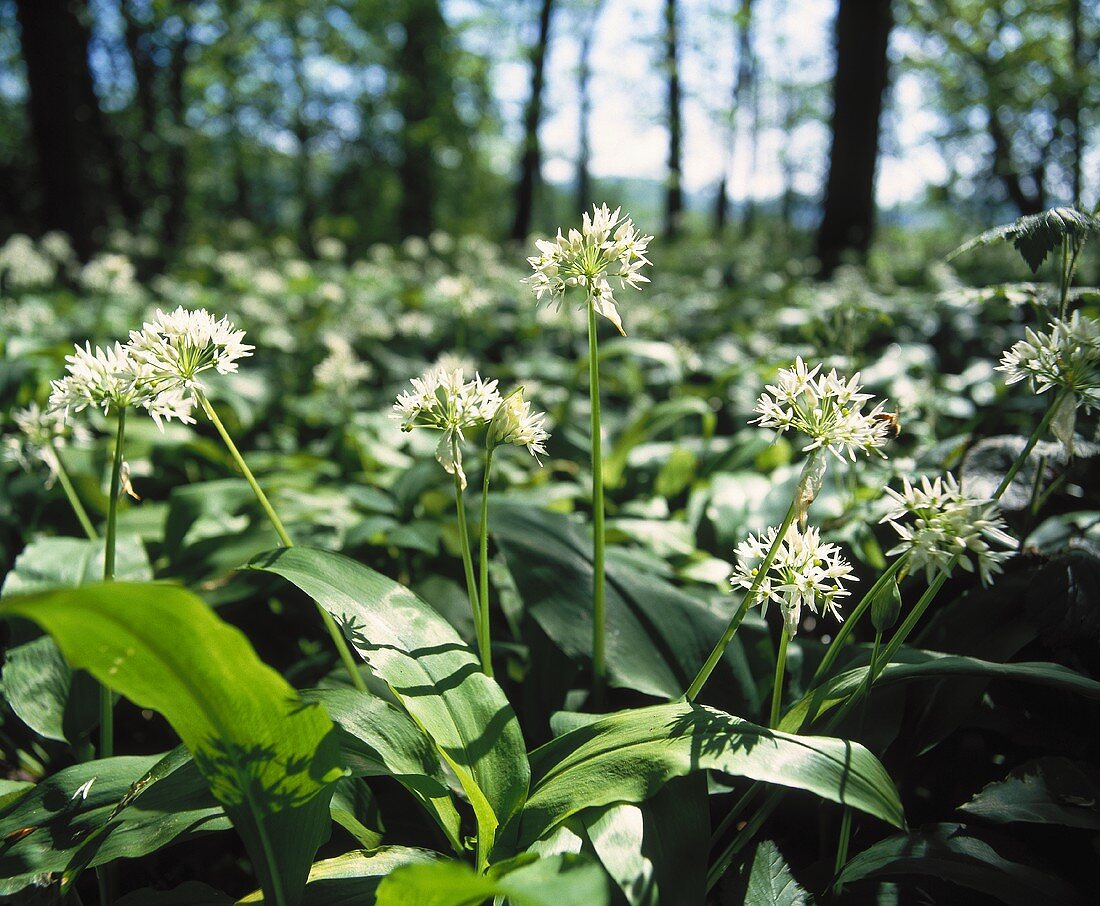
(931, 665)
(49, 823)
(379, 739)
(269, 759)
(551, 881)
(628, 756)
(435, 676)
(1050, 790)
(953, 853)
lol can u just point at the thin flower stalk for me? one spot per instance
(777, 685)
(330, 624)
(471, 581)
(74, 499)
(106, 699)
(599, 539)
(483, 565)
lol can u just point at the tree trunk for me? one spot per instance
(145, 77)
(674, 192)
(862, 69)
(531, 160)
(55, 51)
(1078, 62)
(743, 81)
(584, 77)
(175, 217)
(421, 70)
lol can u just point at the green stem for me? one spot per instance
(105, 875)
(834, 649)
(483, 566)
(846, 818)
(750, 596)
(74, 499)
(468, 567)
(330, 624)
(599, 667)
(780, 669)
(1040, 429)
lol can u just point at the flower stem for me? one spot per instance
(750, 596)
(834, 649)
(105, 875)
(1029, 446)
(74, 499)
(483, 567)
(468, 567)
(330, 624)
(780, 669)
(599, 666)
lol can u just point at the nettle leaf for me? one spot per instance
(39, 685)
(1036, 235)
(628, 756)
(770, 882)
(51, 822)
(550, 881)
(1050, 790)
(269, 758)
(434, 675)
(951, 852)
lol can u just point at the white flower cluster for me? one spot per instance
(40, 433)
(826, 408)
(157, 370)
(946, 523)
(605, 245)
(1066, 356)
(341, 371)
(806, 572)
(444, 400)
(113, 379)
(515, 423)
(22, 266)
(178, 346)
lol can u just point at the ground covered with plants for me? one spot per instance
(596, 571)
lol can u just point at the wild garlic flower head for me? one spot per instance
(606, 246)
(515, 423)
(341, 371)
(39, 434)
(826, 408)
(447, 402)
(806, 572)
(947, 523)
(113, 379)
(176, 347)
(1067, 356)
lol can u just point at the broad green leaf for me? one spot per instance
(269, 759)
(652, 421)
(628, 756)
(770, 882)
(353, 807)
(656, 851)
(1049, 790)
(47, 824)
(39, 685)
(379, 739)
(657, 636)
(436, 678)
(551, 881)
(931, 665)
(190, 893)
(353, 878)
(952, 853)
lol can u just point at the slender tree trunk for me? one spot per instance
(175, 217)
(531, 160)
(584, 77)
(674, 192)
(743, 79)
(303, 163)
(421, 70)
(145, 76)
(748, 222)
(1077, 68)
(862, 70)
(55, 52)
(787, 163)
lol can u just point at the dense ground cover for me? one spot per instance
(971, 743)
